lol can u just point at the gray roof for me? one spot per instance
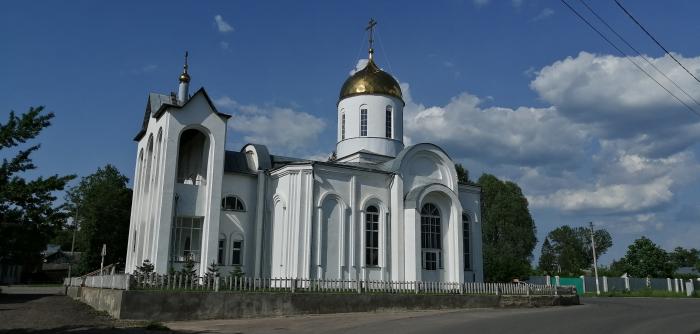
(235, 162)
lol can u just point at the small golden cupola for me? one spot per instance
(371, 79)
(183, 88)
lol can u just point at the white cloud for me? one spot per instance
(614, 95)
(521, 136)
(222, 25)
(545, 13)
(610, 198)
(149, 68)
(361, 63)
(283, 130)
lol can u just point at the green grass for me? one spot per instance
(643, 293)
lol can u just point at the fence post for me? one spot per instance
(627, 282)
(605, 284)
(548, 280)
(583, 283)
(216, 283)
(556, 280)
(294, 285)
(668, 283)
(128, 282)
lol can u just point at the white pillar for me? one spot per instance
(627, 283)
(548, 280)
(675, 284)
(556, 280)
(583, 283)
(605, 283)
(668, 283)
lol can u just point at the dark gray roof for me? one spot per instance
(157, 103)
(235, 162)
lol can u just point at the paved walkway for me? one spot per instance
(36, 309)
(598, 315)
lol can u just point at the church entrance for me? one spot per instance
(333, 243)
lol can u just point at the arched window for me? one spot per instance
(232, 203)
(237, 252)
(192, 157)
(363, 121)
(372, 236)
(431, 237)
(342, 125)
(389, 109)
(220, 260)
(466, 231)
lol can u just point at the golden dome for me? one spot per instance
(371, 80)
(184, 77)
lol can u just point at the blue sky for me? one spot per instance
(520, 89)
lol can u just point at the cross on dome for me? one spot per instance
(370, 29)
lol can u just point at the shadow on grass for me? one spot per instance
(21, 298)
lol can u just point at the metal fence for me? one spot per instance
(607, 284)
(116, 281)
(295, 285)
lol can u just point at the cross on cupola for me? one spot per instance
(370, 29)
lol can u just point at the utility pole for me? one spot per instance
(72, 244)
(595, 262)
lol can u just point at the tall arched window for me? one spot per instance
(220, 259)
(237, 252)
(192, 157)
(389, 109)
(372, 236)
(363, 121)
(232, 203)
(466, 231)
(342, 125)
(431, 237)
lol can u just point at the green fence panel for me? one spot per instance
(575, 281)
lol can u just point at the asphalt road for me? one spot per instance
(597, 315)
(42, 310)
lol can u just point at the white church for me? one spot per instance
(378, 210)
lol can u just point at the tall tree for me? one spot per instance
(28, 215)
(508, 230)
(102, 201)
(548, 258)
(462, 174)
(645, 259)
(681, 257)
(571, 250)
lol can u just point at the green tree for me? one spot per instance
(462, 174)
(645, 259)
(548, 258)
(681, 257)
(571, 250)
(29, 218)
(103, 202)
(508, 230)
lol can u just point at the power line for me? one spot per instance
(635, 50)
(655, 40)
(628, 57)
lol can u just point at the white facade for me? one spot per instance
(381, 211)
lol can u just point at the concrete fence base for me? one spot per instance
(175, 305)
